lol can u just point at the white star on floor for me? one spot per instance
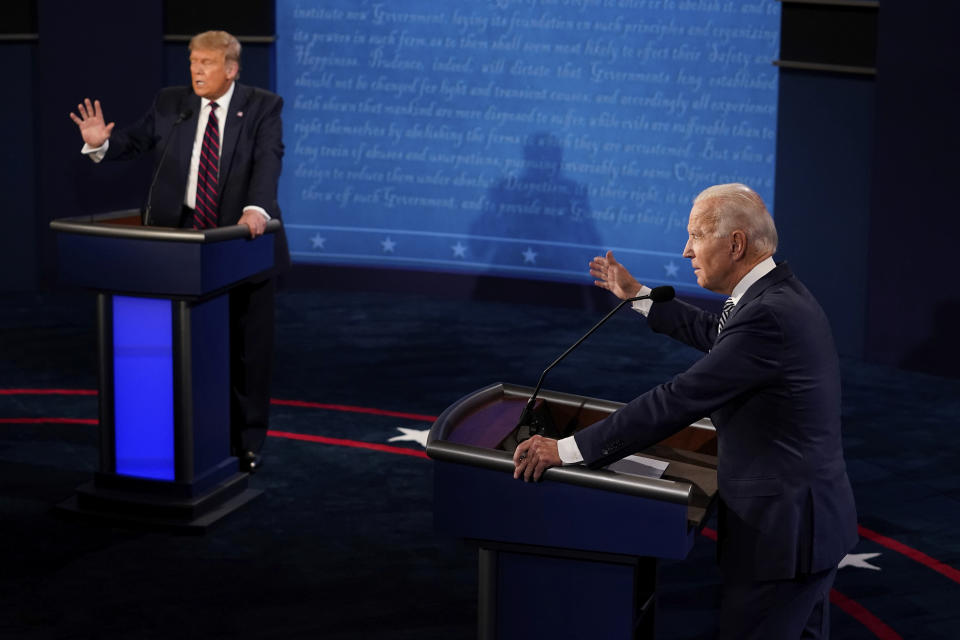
(413, 435)
(318, 241)
(388, 245)
(671, 268)
(529, 256)
(459, 250)
(858, 560)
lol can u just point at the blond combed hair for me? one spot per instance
(218, 41)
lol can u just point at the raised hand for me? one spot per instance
(90, 121)
(613, 276)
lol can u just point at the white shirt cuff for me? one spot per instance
(642, 306)
(95, 153)
(569, 451)
(261, 210)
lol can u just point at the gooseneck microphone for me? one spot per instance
(183, 115)
(528, 424)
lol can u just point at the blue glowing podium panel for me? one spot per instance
(143, 387)
(605, 527)
(164, 360)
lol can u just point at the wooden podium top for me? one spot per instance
(112, 252)
(479, 430)
(128, 224)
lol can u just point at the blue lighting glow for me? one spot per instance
(143, 387)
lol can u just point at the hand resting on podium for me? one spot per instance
(534, 456)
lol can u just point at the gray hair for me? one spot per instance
(728, 207)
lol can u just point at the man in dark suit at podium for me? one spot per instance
(223, 146)
(770, 381)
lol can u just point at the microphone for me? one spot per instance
(531, 424)
(184, 115)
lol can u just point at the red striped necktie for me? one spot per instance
(208, 173)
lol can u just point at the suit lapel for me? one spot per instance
(233, 123)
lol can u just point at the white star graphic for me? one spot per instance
(459, 250)
(413, 435)
(529, 256)
(318, 241)
(671, 268)
(388, 245)
(858, 560)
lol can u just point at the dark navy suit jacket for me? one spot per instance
(771, 384)
(250, 155)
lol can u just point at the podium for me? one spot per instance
(574, 555)
(164, 365)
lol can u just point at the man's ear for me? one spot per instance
(738, 244)
(232, 69)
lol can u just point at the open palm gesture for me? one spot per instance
(613, 276)
(90, 121)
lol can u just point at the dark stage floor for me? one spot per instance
(341, 544)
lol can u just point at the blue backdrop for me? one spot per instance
(519, 137)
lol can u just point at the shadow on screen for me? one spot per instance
(531, 220)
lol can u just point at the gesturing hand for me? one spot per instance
(534, 456)
(90, 121)
(613, 276)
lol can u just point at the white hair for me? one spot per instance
(728, 207)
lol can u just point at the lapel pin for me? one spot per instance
(239, 114)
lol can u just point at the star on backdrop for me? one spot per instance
(388, 245)
(858, 560)
(318, 241)
(459, 250)
(413, 435)
(529, 256)
(671, 268)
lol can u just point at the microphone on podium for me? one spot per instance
(531, 424)
(183, 115)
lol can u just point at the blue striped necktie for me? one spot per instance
(208, 174)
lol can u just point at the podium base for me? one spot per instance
(185, 515)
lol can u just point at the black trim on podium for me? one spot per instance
(182, 402)
(105, 371)
(193, 271)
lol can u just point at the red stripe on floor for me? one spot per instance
(859, 613)
(339, 442)
(913, 554)
(283, 403)
(352, 409)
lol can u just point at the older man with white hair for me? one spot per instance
(770, 381)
